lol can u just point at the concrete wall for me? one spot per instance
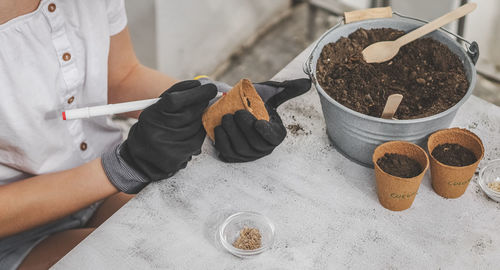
(483, 26)
(192, 37)
(142, 27)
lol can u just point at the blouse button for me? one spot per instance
(66, 56)
(83, 146)
(71, 99)
(52, 7)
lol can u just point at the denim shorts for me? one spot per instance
(15, 248)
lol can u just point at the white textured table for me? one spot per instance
(324, 206)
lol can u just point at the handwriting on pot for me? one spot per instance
(403, 195)
(452, 183)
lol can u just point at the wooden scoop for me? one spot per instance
(385, 50)
(391, 106)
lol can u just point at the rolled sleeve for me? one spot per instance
(117, 17)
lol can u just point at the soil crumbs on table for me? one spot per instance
(429, 76)
(249, 239)
(295, 128)
(399, 165)
(453, 154)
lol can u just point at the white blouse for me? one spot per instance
(51, 60)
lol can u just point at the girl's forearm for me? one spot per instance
(41, 199)
(128, 80)
(141, 83)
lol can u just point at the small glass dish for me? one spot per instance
(488, 174)
(230, 229)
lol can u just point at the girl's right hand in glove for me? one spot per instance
(164, 139)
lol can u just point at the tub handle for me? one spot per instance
(366, 14)
(473, 51)
(472, 48)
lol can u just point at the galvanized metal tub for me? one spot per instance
(357, 135)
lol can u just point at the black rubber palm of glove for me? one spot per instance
(241, 137)
(169, 132)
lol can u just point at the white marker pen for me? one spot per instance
(88, 112)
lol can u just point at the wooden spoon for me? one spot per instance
(391, 106)
(385, 50)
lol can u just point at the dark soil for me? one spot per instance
(399, 165)
(295, 128)
(429, 76)
(453, 154)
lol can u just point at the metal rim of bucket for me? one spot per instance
(472, 52)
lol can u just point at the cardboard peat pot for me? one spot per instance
(243, 96)
(452, 181)
(398, 193)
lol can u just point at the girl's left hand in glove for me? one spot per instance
(241, 137)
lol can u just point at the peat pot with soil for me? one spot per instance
(455, 154)
(399, 169)
(434, 74)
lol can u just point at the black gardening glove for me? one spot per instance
(162, 142)
(241, 137)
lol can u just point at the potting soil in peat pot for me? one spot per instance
(430, 77)
(399, 165)
(453, 154)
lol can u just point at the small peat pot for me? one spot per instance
(454, 155)
(242, 96)
(405, 159)
(356, 134)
